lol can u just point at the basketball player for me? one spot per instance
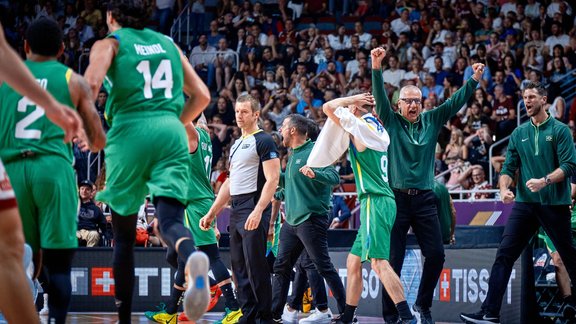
(145, 74)
(40, 164)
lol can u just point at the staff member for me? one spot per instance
(542, 151)
(411, 169)
(254, 175)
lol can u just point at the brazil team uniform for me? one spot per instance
(147, 146)
(377, 205)
(201, 192)
(38, 162)
(378, 208)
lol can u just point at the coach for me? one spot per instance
(254, 176)
(413, 137)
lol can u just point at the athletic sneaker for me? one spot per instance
(215, 294)
(423, 316)
(482, 317)
(230, 316)
(336, 319)
(44, 311)
(197, 295)
(161, 316)
(318, 317)
(413, 320)
(289, 316)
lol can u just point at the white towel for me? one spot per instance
(334, 140)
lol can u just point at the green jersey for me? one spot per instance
(200, 168)
(146, 75)
(370, 172)
(412, 145)
(536, 151)
(24, 126)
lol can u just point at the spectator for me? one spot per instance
(478, 145)
(202, 59)
(393, 75)
(363, 36)
(557, 38)
(91, 14)
(308, 106)
(214, 36)
(224, 62)
(431, 89)
(475, 118)
(338, 42)
(474, 178)
(340, 212)
(402, 23)
(504, 113)
(85, 31)
(91, 220)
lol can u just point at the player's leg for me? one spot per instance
(56, 200)
(15, 297)
(381, 214)
(124, 228)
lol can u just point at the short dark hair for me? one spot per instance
(313, 130)
(44, 37)
(536, 86)
(300, 123)
(129, 13)
(254, 104)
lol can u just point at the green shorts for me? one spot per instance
(548, 241)
(47, 195)
(377, 216)
(145, 154)
(197, 209)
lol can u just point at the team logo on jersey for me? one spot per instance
(549, 138)
(298, 161)
(273, 155)
(371, 120)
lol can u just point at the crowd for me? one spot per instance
(295, 56)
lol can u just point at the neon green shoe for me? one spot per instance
(230, 317)
(160, 316)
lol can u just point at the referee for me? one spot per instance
(254, 175)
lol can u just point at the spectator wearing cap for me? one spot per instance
(91, 220)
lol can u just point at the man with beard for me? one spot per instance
(543, 191)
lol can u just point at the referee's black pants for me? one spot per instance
(420, 212)
(525, 219)
(248, 259)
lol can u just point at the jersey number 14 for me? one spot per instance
(162, 78)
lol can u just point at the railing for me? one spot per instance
(183, 19)
(90, 163)
(215, 54)
(490, 154)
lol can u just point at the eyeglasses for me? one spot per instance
(410, 101)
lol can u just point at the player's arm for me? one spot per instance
(383, 107)
(195, 89)
(82, 98)
(193, 137)
(101, 56)
(15, 73)
(221, 199)
(453, 104)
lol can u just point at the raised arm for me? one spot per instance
(383, 108)
(452, 105)
(82, 98)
